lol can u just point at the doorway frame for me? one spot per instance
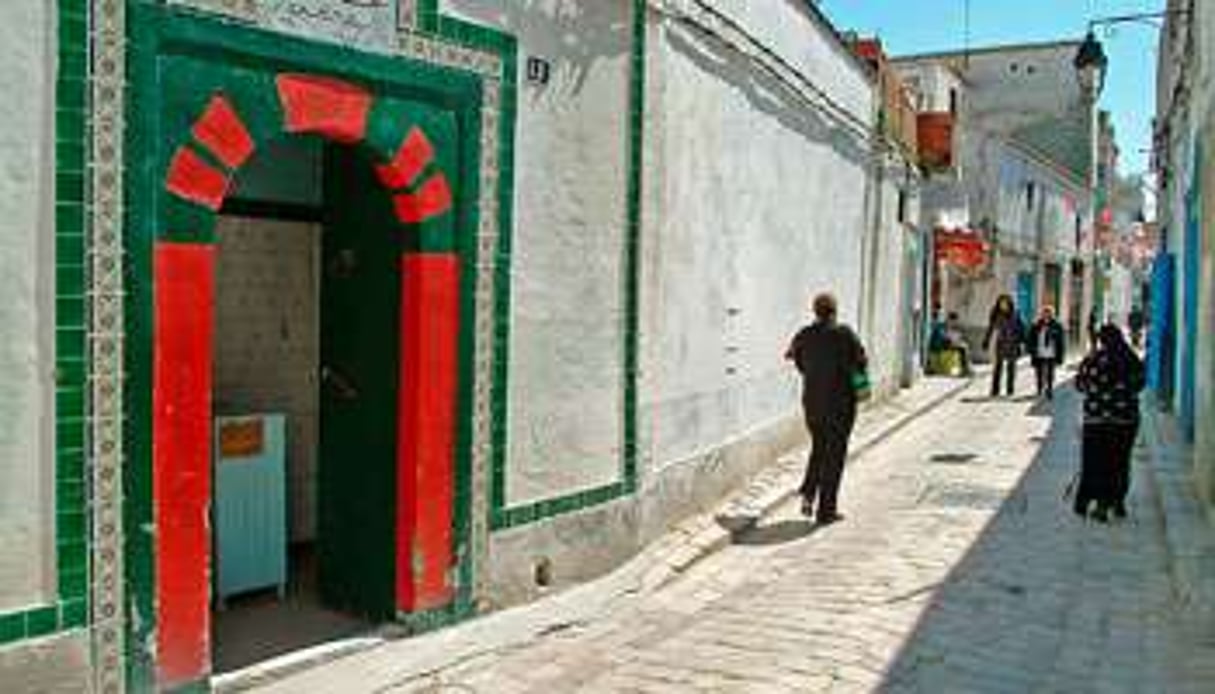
(155, 31)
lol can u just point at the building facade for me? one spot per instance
(1181, 354)
(1009, 188)
(500, 288)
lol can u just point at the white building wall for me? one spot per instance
(888, 323)
(1010, 88)
(933, 82)
(566, 381)
(790, 30)
(27, 64)
(758, 201)
(755, 197)
(1205, 367)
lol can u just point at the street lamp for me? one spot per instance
(1091, 60)
(1091, 63)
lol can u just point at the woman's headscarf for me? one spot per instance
(1121, 357)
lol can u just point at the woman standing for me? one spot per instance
(1111, 379)
(1006, 326)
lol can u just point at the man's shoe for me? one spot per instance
(1101, 515)
(1119, 510)
(807, 508)
(829, 518)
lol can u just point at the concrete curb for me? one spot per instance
(1189, 534)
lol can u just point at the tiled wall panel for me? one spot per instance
(267, 341)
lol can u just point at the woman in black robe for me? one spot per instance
(1110, 378)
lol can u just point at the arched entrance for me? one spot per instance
(390, 532)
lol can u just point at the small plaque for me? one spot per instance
(538, 70)
(243, 438)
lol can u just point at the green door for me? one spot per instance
(360, 290)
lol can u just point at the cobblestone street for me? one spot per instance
(958, 569)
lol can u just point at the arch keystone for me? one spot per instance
(324, 106)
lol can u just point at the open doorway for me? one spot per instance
(388, 235)
(305, 371)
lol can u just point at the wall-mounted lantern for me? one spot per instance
(1091, 64)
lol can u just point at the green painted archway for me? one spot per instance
(205, 98)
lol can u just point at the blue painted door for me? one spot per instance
(1027, 298)
(1161, 337)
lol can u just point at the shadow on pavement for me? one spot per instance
(1041, 601)
(1047, 408)
(780, 532)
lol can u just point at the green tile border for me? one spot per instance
(70, 609)
(503, 516)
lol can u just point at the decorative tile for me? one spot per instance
(105, 342)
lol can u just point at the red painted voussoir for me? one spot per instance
(430, 200)
(325, 106)
(195, 180)
(414, 155)
(221, 130)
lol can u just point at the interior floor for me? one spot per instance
(257, 626)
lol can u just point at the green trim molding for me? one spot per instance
(502, 516)
(70, 609)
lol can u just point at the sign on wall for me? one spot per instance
(365, 23)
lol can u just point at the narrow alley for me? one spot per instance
(428, 346)
(959, 568)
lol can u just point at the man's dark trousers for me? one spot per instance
(829, 449)
(1046, 377)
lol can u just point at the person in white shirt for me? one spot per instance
(1047, 345)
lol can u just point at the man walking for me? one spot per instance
(829, 356)
(1047, 345)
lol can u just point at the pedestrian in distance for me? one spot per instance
(1005, 326)
(1110, 378)
(1047, 345)
(1135, 322)
(832, 363)
(957, 340)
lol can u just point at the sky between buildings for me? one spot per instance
(921, 26)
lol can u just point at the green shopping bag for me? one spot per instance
(861, 385)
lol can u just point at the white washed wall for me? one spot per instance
(754, 203)
(567, 302)
(1010, 88)
(789, 29)
(886, 329)
(27, 60)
